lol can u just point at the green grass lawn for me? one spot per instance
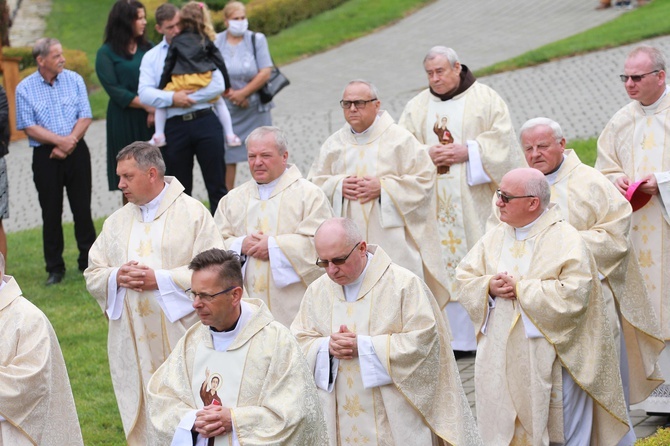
(81, 328)
(639, 24)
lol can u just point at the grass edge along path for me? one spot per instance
(643, 23)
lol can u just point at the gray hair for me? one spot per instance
(42, 47)
(373, 89)
(281, 143)
(352, 233)
(539, 187)
(656, 56)
(226, 263)
(442, 51)
(145, 155)
(535, 122)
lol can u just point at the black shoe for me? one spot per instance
(55, 278)
(461, 354)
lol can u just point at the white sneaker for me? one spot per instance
(157, 140)
(233, 141)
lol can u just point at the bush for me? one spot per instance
(660, 438)
(272, 16)
(265, 16)
(75, 60)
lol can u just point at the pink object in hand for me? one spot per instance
(637, 198)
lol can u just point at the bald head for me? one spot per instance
(525, 195)
(338, 239)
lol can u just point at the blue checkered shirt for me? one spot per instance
(56, 107)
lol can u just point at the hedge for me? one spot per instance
(660, 438)
(75, 60)
(266, 16)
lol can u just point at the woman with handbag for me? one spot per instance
(249, 66)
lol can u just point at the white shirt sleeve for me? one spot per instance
(389, 215)
(182, 435)
(663, 181)
(474, 167)
(283, 273)
(115, 296)
(337, 200)
(532, 331)
(150, 77)
(373, 373)
(324, 367)
(172, 299)
(491, 306)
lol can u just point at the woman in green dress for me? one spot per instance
(118, 67)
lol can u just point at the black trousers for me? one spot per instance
(202, 137)
(50, 176)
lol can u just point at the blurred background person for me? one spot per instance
(118, 67)
(249, 70)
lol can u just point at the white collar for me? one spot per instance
(651, 109)
(351, 290)
(265, 190)
(522, 233)
(149, 209)
(223, 339)
(551, 177)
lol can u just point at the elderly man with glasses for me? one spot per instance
(547, 368)
(239, 353)
(138, 273)
(379, 348)
(376, 173)
(270, 220)
(634, 153)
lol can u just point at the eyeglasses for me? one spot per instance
(207, 297)
(338, 261)
(359, 104)
(636, 77)
(506, 198)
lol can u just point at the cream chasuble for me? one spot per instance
(560, 296)
(529, 409)
(636, 143)
(409, 335)
(478, 114)
(402, 220)
(291, 215)
(142, 337)
(35, 397)
(264, 380)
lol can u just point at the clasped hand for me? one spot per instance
(256, 245)
(136, 277)
(448, 154)
(363, 189)
(503, 286)
(212, 421)
(344, 344)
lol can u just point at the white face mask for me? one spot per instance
(238, 27)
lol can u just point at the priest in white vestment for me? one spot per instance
(271, 220)
(472, 145)
(237, 377)
(593, 205)
(634, 147)
(138, 273)
(378, 346)
(378, 174)
(36, 403)
(546, 370)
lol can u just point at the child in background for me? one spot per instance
(189, 64)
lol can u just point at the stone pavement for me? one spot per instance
(581, 92)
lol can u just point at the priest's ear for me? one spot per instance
(154, 175)
(236, 295)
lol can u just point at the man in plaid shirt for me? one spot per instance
(52, 108)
